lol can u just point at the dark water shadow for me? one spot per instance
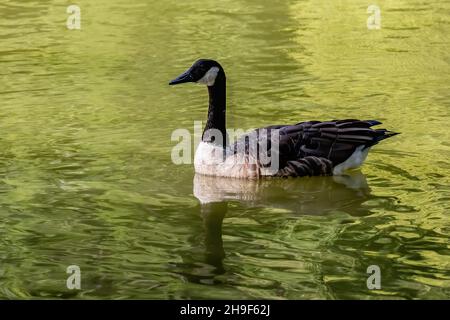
(308, 196)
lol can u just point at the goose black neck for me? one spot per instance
(216, 111)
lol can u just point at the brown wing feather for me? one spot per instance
(322, 145)
(333, 140)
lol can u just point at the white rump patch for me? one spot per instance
(210, 77)
(353, 162)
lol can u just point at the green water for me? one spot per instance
(86, 176)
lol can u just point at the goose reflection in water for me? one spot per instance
(310, 196)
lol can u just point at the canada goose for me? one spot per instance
(309, 148)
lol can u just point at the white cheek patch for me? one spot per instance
(210, 77)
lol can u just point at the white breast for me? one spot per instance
(209, 160)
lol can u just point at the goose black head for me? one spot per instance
(203, 71)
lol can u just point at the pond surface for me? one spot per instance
(86, 176)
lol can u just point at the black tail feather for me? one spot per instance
(382, 135)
